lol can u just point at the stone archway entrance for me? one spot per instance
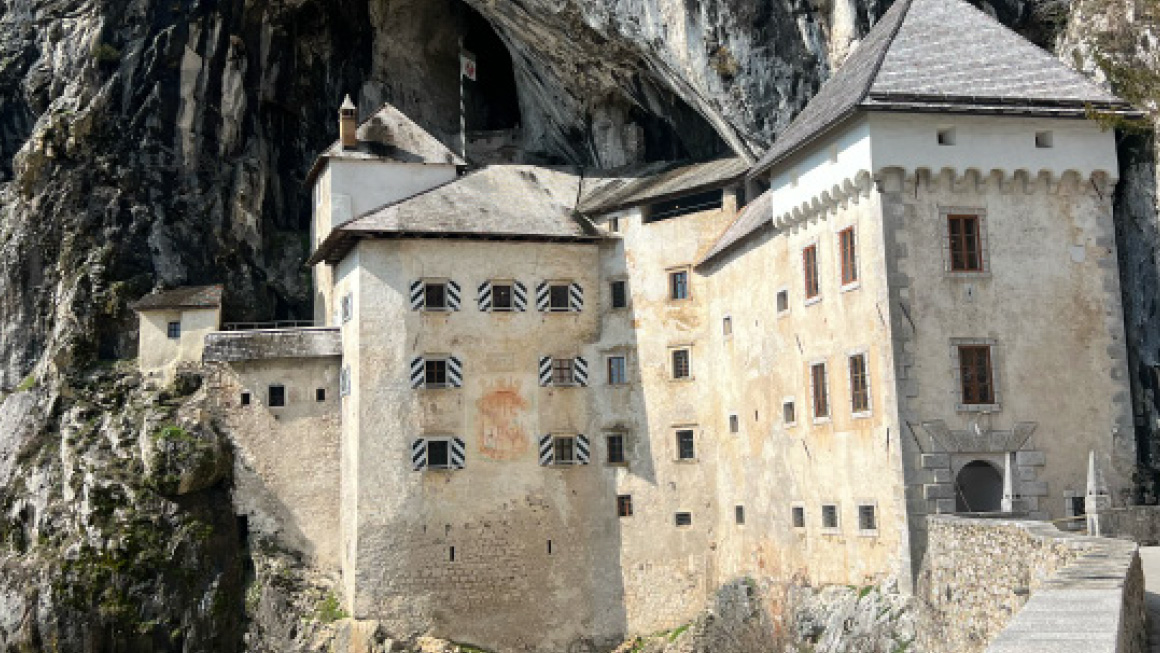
(979, 488)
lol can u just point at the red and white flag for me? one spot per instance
(467, 64)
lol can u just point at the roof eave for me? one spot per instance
(818, 135)
(339, 244)
(690, 190)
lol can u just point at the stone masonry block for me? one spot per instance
(938, 491)
(935, 461)
(1030, 459)
(941, 476)
(1027, 473)
(1033, 489)
(945, 506)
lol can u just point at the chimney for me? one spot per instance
(348, 124)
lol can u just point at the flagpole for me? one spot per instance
(462, 104)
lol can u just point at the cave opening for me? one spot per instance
(491, 101)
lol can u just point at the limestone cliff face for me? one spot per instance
(147, 142)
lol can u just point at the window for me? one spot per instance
(558, 298)
(739, 515)
(276, 396)
(734, 424)
(501, 297)
(810, 270)
(818, 391)
(782, 302)
(859, 385)
(1044, 140)
(706, 201)
(245, 399)
(684, 518)
(173, 330)
(344, 382)
(564, 450)
(619, 294)
(614, 225)
(438, 454)
(615, 442)
(788, 412)
(562, 371)
(685, 448)
(1077, 506)
(435, 373)
(320, 394)
(965, 249)
(617, 371)
(624, 505)
(830, 516)
(867, 518)
(346, 308)
(798, 514)
(727, 326)
(679, 285)
(847, 245)
(681, 368)
(975, 375)
(435, 296)
(946, 136)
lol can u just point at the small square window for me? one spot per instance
(558, 298)
(739, 515)
(867, 518)
(798, 514)
(501, 297)
(947, 136)
(173, 330)
(245, 399)
(679, 285)
(562, 372)
(727, 326)
(624, 505)
(734, 424)
(438, 454)
(1044, 140)
(277, 396)
(782, 302)
(681, 364)
(686, 449)
(684, 519)
(615, 445)
(830, 516)
(320, 394)
(619, 294)
(435, 373)
(617, 371)
(564, 449)
(788, 412)
(435, 296)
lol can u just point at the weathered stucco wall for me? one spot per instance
(158, 354)
(1001, 585)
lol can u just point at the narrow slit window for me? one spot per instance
(810, 271)
(782, 302)
(798, 515)
(739, 515)
(848, 245)
(788, 412)
(727, 326)
(734, 424)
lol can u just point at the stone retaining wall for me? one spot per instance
(1141, 524)
(1001, 585)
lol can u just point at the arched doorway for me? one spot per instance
(979, 488)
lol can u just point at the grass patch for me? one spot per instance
(329, 610)
(27, 384)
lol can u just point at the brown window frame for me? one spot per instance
(848, 248)
(618, 376)
(859, 384)
(976, 391)
(624, 505)
(819, 395)
(559, 367)
(964, 256)
(810, 272)
(679, 287)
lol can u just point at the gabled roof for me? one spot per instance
(389, 135)
(942, 55)
(496, 202)
(658, 181)
(184, 297)
(755, 215)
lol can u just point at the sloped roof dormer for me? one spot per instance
(929, 56)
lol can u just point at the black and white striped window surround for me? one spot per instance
(564, 450)
(438, 453)
(436, 372)
(550, 372)
(429, 295)
(502, 296)
(559, 297)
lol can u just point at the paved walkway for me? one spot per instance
(1150, 561)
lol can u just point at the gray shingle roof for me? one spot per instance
(389, 135)
(499, 201)
(184, 297)
(754, 216)
(941, 55)
(657, 181)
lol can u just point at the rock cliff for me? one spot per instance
(149, 142)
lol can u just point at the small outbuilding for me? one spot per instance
(173, 326)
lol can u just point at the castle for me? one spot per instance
(544, 408)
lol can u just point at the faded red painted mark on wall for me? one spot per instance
(499, 432)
